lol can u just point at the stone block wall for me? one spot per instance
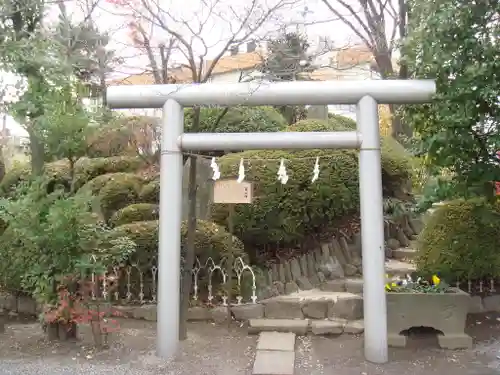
(336, 259)
(26, 306)
(400, 233)
(333, 260)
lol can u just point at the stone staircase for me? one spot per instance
(320, 293)
(404, 254)
(333, 308)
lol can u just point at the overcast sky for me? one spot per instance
(317, 21)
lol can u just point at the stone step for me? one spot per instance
(297, 326)
(351, 285)
(314, 304)
(304, 326)
(395, 267)
(404, 253)
(355, 285)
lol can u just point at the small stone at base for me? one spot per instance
(326, 327)
(298, 326)
(354, 327)
(455, 341)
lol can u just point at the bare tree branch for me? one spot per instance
(371, 30)
(367, 39)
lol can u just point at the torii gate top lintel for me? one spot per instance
(265, 93)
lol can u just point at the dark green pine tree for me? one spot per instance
(85, 49)
(288, 60)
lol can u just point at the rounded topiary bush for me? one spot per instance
(135, 212)
(461, 240)
(211, 241)
(57, 172)
(3, 169)
(150, 192)
(114, 138)
(237, 120)
(300, 210)
(88, 169)
(13, 178)
(96, 184)
(341, 122)
(397, 169)
(117, 193)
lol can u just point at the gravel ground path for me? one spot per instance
(344, 356)
(215, 350)
(209, 350)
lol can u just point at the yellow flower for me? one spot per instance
(436, 280)
(389, 286)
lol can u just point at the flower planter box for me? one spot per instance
(52, 331)
(67, 331)
(445, 312)
(61, 331)
(3, 320)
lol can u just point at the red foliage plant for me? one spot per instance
(82, 306)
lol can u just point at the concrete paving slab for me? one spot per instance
(298, 326)
(282, 341)
(274, 363)
(314, 295)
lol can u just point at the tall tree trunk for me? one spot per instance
(187, 277)
(403, 130)
(399, 131)
(37, 152)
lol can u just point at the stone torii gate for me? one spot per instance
(365, 94)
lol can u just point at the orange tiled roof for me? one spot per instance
(241, 61)
(323, 74)
(356, 55)
(178, 74)
(226, 64)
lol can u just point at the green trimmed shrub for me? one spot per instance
(240, 119)
(301, 210)
(461, 240)
(3, 226)
(341, 121)
(88, 169)
(56, 172)
(135, 212)
(117, 138)
(211, 240)
(96, 184)
(150, 193)
(13, 178)
(118, 193)
(85, 170)
(3, 169)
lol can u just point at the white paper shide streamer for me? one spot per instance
(241, 171)
(315, 171)
(282, 175)
(215, 168)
